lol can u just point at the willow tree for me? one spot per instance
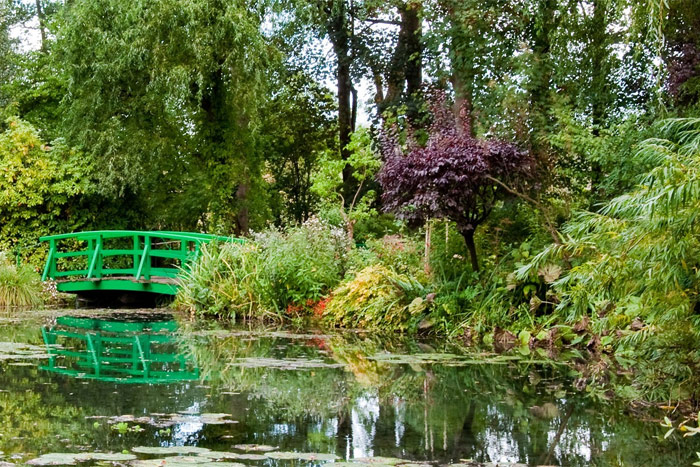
(163, 96)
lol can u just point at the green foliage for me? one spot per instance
(37, 185)
(298, 127)
(278, 272)
(328, 181)
(165, 94)
(637, 259)
(378, 298)
(19, 285)
(302, 263)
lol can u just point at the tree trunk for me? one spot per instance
(411, 23)
(463, 74)
(468, 235)
(339, 36)
(243, 215)
(42, 25)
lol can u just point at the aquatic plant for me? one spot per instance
(20, 286)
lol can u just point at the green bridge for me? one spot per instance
(123, 260)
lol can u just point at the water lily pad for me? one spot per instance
(255, 447)
(379, 460)
(112, 457)
(284, 363)
(304, 456)
(165, 450)
(187, 460)
(63, 458)
(182, 461)
(21, 351)
(233, 455)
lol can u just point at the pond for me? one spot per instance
(137, 388)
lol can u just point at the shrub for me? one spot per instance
(301, 264)
(278, 271)
(223, 282)
(377, 298)
(19, 286)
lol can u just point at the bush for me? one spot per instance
(19, 286)
(301, 264)
(223, 282)
(378, 298)
(279, 271)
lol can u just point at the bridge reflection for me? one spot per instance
(117, 349)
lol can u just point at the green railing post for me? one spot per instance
(137, 249)
(145, 264)
(95, 262)
(49, 269)
(98, 251)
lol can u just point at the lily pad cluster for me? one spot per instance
(21, 351)
(161, 420)
(61, 458)
(443, 359)
(284, 363)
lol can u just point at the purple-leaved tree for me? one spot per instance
(454, 176)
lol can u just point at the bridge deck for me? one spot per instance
(123, 260)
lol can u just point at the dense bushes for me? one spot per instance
(19, 285)
(310, 269)
(377, 298)
(277, 272)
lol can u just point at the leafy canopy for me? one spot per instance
(453, 176)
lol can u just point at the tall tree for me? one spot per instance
(164, 96)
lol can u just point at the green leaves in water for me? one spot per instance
(442, 358)
(20, 351)
(181, 456)
(303, 456)
(168, 420)
(183, 461)
(255, 447)
(58, 458)
(284, 363)
(170, 450)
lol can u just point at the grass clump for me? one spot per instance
(20, 286)
(378, 298)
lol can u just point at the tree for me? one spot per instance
(454, 176)
(298, 127)
(164, 96)
(328, 181)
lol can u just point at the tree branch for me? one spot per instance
(553, 232)
(382, 21)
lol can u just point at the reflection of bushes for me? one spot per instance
(377, 298)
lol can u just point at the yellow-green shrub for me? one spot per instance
(19, 286)
(377, 298)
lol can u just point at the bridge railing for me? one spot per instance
(138, 255)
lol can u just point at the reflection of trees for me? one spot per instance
(414, 411)
(426, 411)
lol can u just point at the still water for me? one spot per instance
(153, 389)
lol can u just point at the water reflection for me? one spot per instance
(131, 349)
(345, 394)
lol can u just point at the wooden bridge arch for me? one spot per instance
(123, 260)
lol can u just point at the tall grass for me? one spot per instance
(277, 272)
(19, 286)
